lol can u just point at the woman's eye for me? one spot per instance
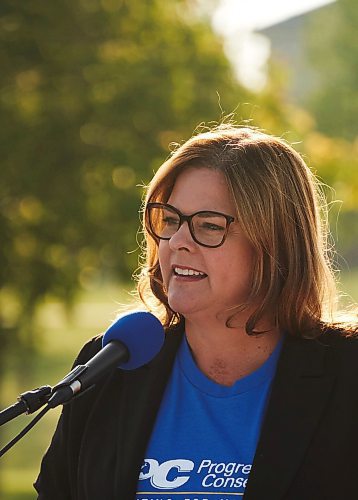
(170, 221)
(210, 226)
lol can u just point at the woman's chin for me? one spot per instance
(183, 307)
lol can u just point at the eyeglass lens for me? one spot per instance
(208, 227)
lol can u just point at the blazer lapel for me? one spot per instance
(140, 400)
(119, 426)
(299, 394)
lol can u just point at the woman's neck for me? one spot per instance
(227, 354)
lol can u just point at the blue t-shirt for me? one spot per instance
(205, 435)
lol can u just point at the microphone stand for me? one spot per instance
(25, 430)
(31, 401)
(28, 402)
(74, 384)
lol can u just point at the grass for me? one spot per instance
(62, 337)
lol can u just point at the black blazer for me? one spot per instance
(307, 449)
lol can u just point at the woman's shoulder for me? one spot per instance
(340, 335)
(330, 347)
(89, 349)
(172, 339)
(341, 347)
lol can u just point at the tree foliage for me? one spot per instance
(333, 49)
(91, 94)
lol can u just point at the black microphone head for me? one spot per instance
(141, 332)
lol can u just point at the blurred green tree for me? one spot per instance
(334, 53)
(91, 94)
(323, 123)
(334, 105)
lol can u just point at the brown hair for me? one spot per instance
(281, 210)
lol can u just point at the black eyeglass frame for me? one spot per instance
(185, 218)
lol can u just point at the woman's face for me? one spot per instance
(225, 271)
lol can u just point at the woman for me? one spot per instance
(255, 391)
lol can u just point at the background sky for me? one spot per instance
(236, 21)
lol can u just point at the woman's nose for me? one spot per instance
(182, 238)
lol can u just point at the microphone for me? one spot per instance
(132, 341)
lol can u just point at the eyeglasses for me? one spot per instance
(207, 228)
